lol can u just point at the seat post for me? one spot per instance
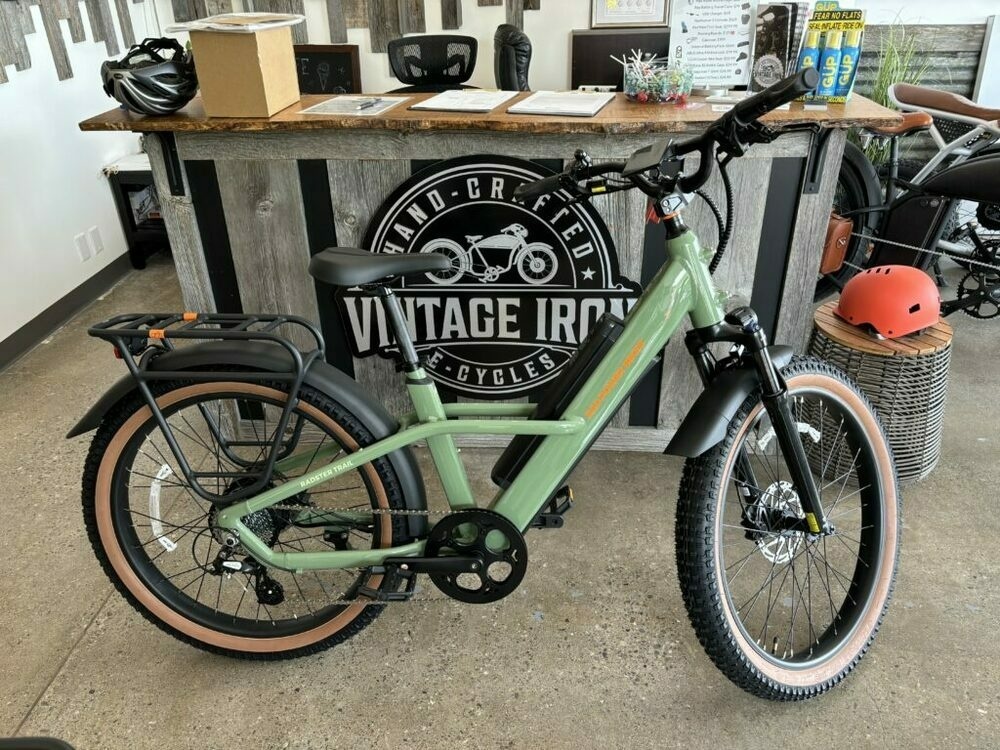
(890, 187)
(394, 311)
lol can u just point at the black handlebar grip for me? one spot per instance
(782, 92)
(538, 188)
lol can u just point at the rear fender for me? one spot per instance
(267, 357)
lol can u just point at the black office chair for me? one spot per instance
(433, 62)
(511, 58)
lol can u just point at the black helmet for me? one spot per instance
(149, 82)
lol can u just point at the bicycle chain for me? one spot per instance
(938, 253)
(375, 512)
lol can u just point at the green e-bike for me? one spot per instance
(252, 500)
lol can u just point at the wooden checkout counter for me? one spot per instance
(247, 201)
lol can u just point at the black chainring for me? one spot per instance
(488, 536)
(973, 283)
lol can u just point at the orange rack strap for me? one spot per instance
(190, 316)
(157, 333)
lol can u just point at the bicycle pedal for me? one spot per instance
(398, 576)
(551, 516)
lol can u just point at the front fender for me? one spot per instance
(267, 357)
(706, 423)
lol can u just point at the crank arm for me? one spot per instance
(452, 564)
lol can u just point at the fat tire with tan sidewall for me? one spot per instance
(698, 565)
(130, 415)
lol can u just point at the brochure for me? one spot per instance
(465, 100)
(567, 103)
(355, 106)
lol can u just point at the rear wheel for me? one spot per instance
(459, 257)
(965, 218)
(784, 614)
(858, 187)
(158, 542)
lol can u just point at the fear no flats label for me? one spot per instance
(528, 281)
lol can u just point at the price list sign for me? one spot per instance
(711, 38)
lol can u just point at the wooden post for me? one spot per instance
(515, 13)
(451, 14)
(411, 17)
(336, 21)
(383, 23)
(794, 314)
(124, 20)
(353, 210)
(355, 13)
(267, 234)
(182, 228)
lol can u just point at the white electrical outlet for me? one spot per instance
(96, 241)
(82, 246)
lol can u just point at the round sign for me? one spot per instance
(527, 282)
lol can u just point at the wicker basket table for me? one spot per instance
(906, 380)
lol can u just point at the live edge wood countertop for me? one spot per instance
(619, 117)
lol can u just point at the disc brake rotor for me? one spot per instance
(779, 499)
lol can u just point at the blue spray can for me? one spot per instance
(829, 68)
(809, 56)
(848, 62)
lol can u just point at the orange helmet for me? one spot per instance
(894, 300)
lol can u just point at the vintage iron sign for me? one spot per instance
(528, 281)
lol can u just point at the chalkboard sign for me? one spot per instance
(328, 68)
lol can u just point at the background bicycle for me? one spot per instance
(969, 233)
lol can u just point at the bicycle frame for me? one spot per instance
(956, 149)
(683, 287)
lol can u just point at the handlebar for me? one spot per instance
(731, 133)
(771, 98)
(538, 188)
(568, 179)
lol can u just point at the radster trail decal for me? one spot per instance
(528, 281)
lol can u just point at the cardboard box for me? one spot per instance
(245, 74)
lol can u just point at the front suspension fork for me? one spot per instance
(742, 327)
(774, 394)
(779, 409)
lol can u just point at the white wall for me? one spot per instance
(926, 11)
(51, 186)
(549, 30)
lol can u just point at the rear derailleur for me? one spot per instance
(268, 591)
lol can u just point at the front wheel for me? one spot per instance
(786, 615)
(537, 264)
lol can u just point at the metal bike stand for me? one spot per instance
(906, 380)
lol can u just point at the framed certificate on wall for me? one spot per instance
(629, 13)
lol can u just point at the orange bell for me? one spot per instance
(894, 300)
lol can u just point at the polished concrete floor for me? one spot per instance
(594, 650)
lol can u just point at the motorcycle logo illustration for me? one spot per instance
(536, 262)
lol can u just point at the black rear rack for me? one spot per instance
(140, 338)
